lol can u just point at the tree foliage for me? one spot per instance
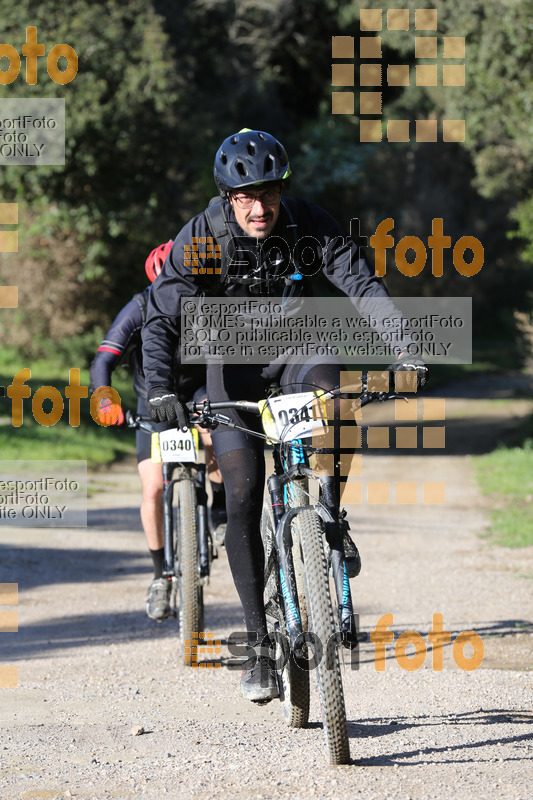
(161, 84)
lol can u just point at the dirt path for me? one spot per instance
(92, 666)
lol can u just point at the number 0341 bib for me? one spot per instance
(293, 416)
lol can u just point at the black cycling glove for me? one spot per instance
(405, 363)
(165, 406)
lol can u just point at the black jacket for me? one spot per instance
(338, 259)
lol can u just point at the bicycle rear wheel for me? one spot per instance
(293, 681)
(190, 591)
(322, 625)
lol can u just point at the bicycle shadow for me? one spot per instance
(126, 518)
(39, 566)
(375, 727)
(92, 630)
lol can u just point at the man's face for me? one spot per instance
(257, 211)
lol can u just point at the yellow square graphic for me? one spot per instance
(377, 437)
(342, 47)
(9, 594)
(406, 437)
(342, 75)
(351, 493)
(350, 437)
(434, 408)
(370, 19)
(426, 19)
(9, 677)
(342, 103)
(425, 47)
(426, 130)
(398, 75)
(378, 381)
(406, 492)
(406, 381)
(454, 47)
(351, 465)
(9, 213)
(9, 242)
(9, 620)
(453, 75)
(9, 296)
(378, 492)
(370, 75)
(370, 130)
(323, 463)
(426, 74)
(344, 409)
(398, 19)
(406, 410)
(323, 437)
(434, 437)
(350, 381)
(370, 47)
(453, 130)
(370, 103)
(398, 130)
(433, 493)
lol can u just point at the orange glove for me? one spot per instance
(110, 413)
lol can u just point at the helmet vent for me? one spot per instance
(223, 158)
(235, 140)
(241, 169)
(261, 135)
(269, 164)
(251, 148)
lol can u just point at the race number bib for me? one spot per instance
(175, 445)
(293, 416)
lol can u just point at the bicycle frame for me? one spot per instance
(287, 469)
(295, 466)
(184, 473)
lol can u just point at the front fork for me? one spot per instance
(168, 518)
(334, 535)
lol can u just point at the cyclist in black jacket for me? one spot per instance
(123, 335)
(251, 172)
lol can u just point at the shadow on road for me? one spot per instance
(457, 753)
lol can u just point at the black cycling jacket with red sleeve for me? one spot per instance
(123, 333)
(340, 261)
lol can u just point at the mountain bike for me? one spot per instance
(303, 544)
(188, 546)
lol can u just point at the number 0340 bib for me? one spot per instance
(175, 445)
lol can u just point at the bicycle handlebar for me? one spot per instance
(204, 408)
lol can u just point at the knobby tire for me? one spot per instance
(321, 623)
(190, 592)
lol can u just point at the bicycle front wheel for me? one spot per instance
(190, 591)
(322, 639)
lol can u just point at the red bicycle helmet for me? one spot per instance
(156, 259)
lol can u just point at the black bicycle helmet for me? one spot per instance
(249, 158)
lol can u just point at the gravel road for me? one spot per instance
(93, 670)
